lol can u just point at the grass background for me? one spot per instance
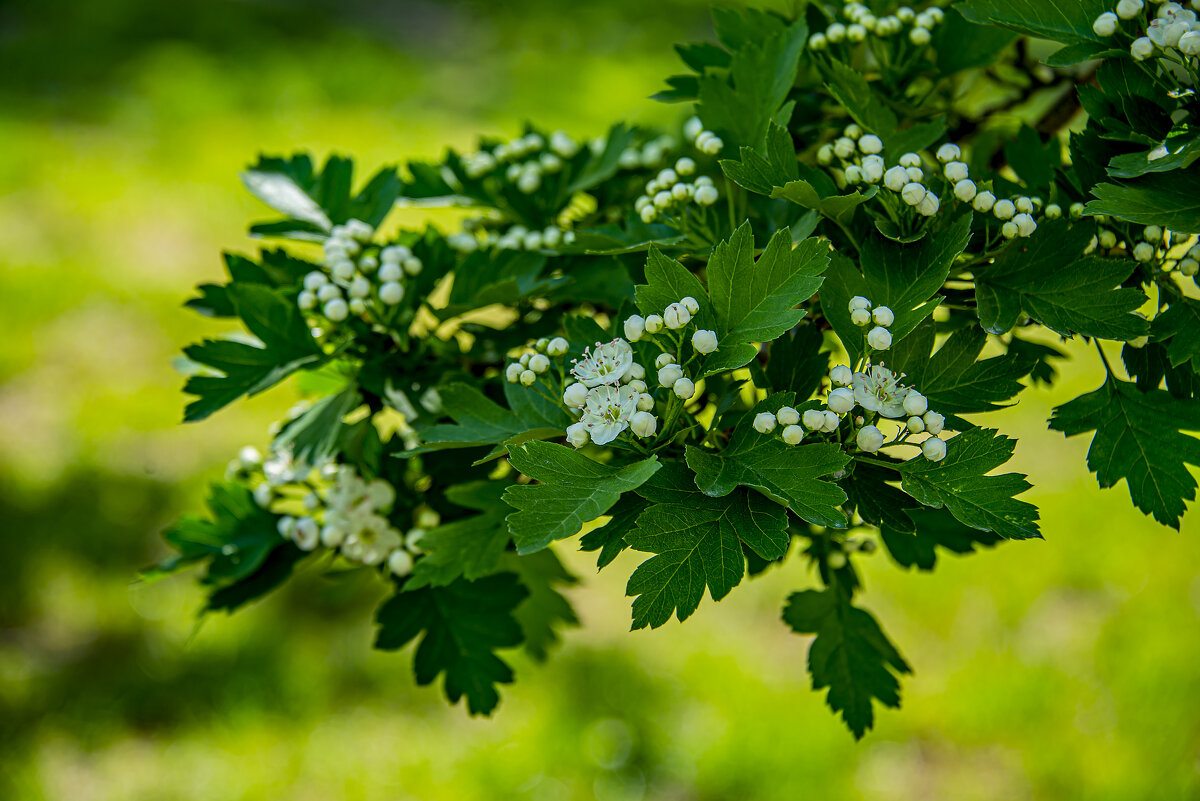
(1063, 669)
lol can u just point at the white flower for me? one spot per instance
(371, 545)
(400, 562)
(764, 422)
(704, 341)
(913, 193)
(676, 316)
(643, 424)
(985, 201)
(859, 302)
(841, 376)
(840, 400)
(934, 422)
(879, 338)
(606, 364)
(654, 324)
(895, 178)
(813, 419)
(1105, 24)
(607, 412)
(879, 390)
(1142, 48)
(915, 403)
(830, 421)
(1128, 9)
(557, 346)
(934, 449)
(635, 326)
(948, 153)
(577, 434)
(869, 438)
(860, 317)
(684, 388)
(883, 316)
(964, 190)
(915, 425)
(575, 395)
(870, 144)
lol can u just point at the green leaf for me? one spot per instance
(1179, 328)
(775, 166)
(788, 474)
(853, 91)
(1034, 161)
(318, 201)
(798, 362)
(667, 281)
(545, 610)
(697, 543)
(962, 45)
(839, 208)
(961, 483)
(609, 539)
(1140, 438)
(756, 301)
(478, 420)
(491, 276)
(932, 529)
(604, 166)
(1182, 153)
(1066, 21)
(905, 278)
(469, 547)
(462, 624)
(315, 434)
(1168, 199)
(851, 655)
(269, 575)
(574, 490)
(287, 346)
(955, 379)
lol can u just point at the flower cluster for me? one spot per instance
(357, 277)
(650, 155)
(1173, 36)
(862, 315)
(1158, 248)
(609, 395)
(863, 22)
(668, 195)
(526, 159)
(526, 369)
(703, 139)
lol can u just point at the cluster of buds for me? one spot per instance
(1158, 248)
(880, 318)
(649, 155)
(667, 194)
(703, 139)
(518, 237)
(531, 364)
(1173, 35)
(792, 426)
(863, 23)
(610, 395)
(525, 159)
(356, 275)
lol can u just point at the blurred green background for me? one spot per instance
(1063, 669)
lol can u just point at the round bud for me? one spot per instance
(684, 388)
(1142, 48)
(1107, 239)
(577, 435)
(879, 338)
(512, 373)
(1024, 204)
(984, 202)
(934, 422)
(835, 32)
(813, 419)
(527, 378)
(859, 302)
(913, 193)
(1128, 9)
(964, 190)
(306, 300)
(956, 171)
(557, 346)
(831, 421)
(539, 363)
(662, 360)
(915, 425)
(1053, 211)
(336, 310)
(948, 153)
(841, 376)
(391, 293)
(685, 166)
(883, 316)
(1010, 230)
(915, 403)
(1105, 24)
(870, 144)
(840, 400)
(1004, 209)
(635, 326)
(704, 341)
(328, 293)
(390, 272)
(910, 160)
(895, 178)
(400, 562)
(1152, 233)
(669, 374)
(691, 304)
(315, 280)
(1143, 251)
(645, 402)
(793, 434)
(643, 424)
(934, 449)
(837, 559)
(654, 324)
(860, 317)
(332, 536)
(787, 416)
(869, 439)
(764, 422)
(920, 36)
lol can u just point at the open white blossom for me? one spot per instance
(608, 410)
(879, 390)
(606, 364)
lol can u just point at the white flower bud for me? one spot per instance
(1105, 24)
(934, 422)
(663, 199)
(1128, 9)
(859, 302)
(704, 341)
(1143, 251)
(860, 317)
(332, 536)
(684, 388)
(956, 171)
(391, 293)
(400, 562)
(685, 166)
(413, 266)
(390, 272)
(577, 435)
(984, 202)
(813, 419)
(691, 304)
(920, 36)
(1107, 239)
(336, 310)
(883, 316)
(915, 425)
(1152, 233)
(527, 378)
(1010, 230)
(844, 147)
(910, 160)
(854, 174)
(1053, 211)
(879, 338)
(654, 324)
(1024, 204)
(869, 439)
(645, 402)
(841, 375)
(948, 153)
(825, 155)
(929, 205)
(643, 424)
(856, 33)
(787, 416)
(635, 326)
(835, 32)
(557, 346)
(915, 174)
(649, 214)
(895, 178)
(913, 193)
(764, 422)
(358, 306)
(264, 494)
(574, 395)
(831, 421)
(872, 169)
(964, 190)
(793, 434)
(668, 375)
(870, 144)
(286, 526)
(915, 403)
(1004, 209)
(1025, 224)
(1189, 266)
(343, 270)
(840, 400)
(676, 316)
(636, 372)
(637, 385)
(306, 300)
(662, 360)
(853, 131)
(512, 373)
(934, 449)
(1142, 48)
(837, 559)
(817, 42)
(539, 363)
